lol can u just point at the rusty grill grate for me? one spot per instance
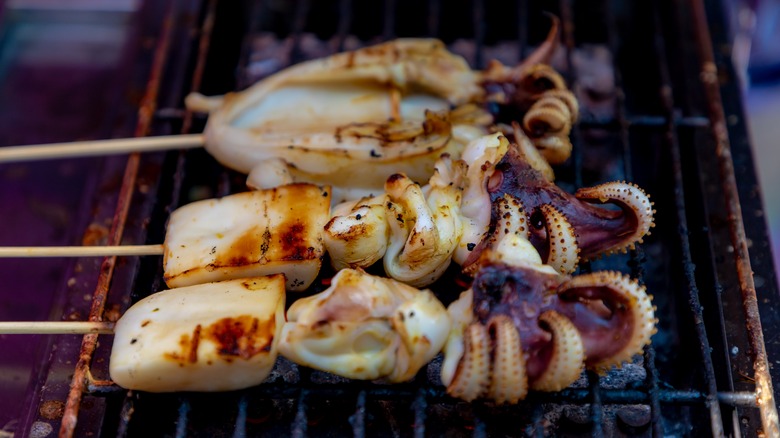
(653, 113)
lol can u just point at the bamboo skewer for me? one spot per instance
(395, 104)
(56, 327)
(117, 146)
(80, 251)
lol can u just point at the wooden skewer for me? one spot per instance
(55, 327)
(79, 251)
(395, 104)
(117, 146)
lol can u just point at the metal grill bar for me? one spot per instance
(124, 416)
(480, 427)
(240, 430)
(358, 419)
(345, 20)
(643, 121)
(665, 92)
(299, 22)
(300, 422)
(181, 421)
(637, 254)
(522, 28)
(434, 12)
(652, 384)
(478, 9)
(538, 423)
(145, 115)
(419, 406)
(608, 396)
(567, 22)
(709, 79)
(388, 26)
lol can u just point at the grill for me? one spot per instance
(661, 107)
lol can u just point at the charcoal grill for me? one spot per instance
(664, 111)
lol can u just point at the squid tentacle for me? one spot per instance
(508, 378)
(567, 358)
(472, 376)
(563, 251)
(633, 202)
(558, 325)
(628, 314)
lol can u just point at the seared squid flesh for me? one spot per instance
(366, 327)
(354, 159)
(357, 235)
(416, 229)
(353, 119)
(249, 234)
(524, 326)
(209, 337)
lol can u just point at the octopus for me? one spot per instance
(565, 228)
(495, 189)
(523, 326)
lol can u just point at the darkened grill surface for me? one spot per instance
(651, 123)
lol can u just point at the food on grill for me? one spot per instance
(524, 326)
(415, 232)
(469, 203)
(248, 234)
(353, 119)
(366, 327)
(210, 337)
(562, 227)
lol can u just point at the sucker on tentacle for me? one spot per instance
(540, 328)
(586, 230)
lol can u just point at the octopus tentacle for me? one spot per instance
(543, 327)
(511, 219)
(509, 380)
(613, 314)
(472, 376)
(633, 202)
(563, 251)
(599, 230)
(567, 357)
(531, 154)
(548, 123)
(505, 84)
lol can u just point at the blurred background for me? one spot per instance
(756, 30)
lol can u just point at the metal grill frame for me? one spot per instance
(673, 118)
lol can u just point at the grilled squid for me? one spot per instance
(366, 327)
(247, 234)
(495, 189)
(522, 326)
(414, 229)
(217, 336)
(353, 119)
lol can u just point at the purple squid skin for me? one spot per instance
(599, 230)
(602, 316)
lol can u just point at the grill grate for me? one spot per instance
(657, 127)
